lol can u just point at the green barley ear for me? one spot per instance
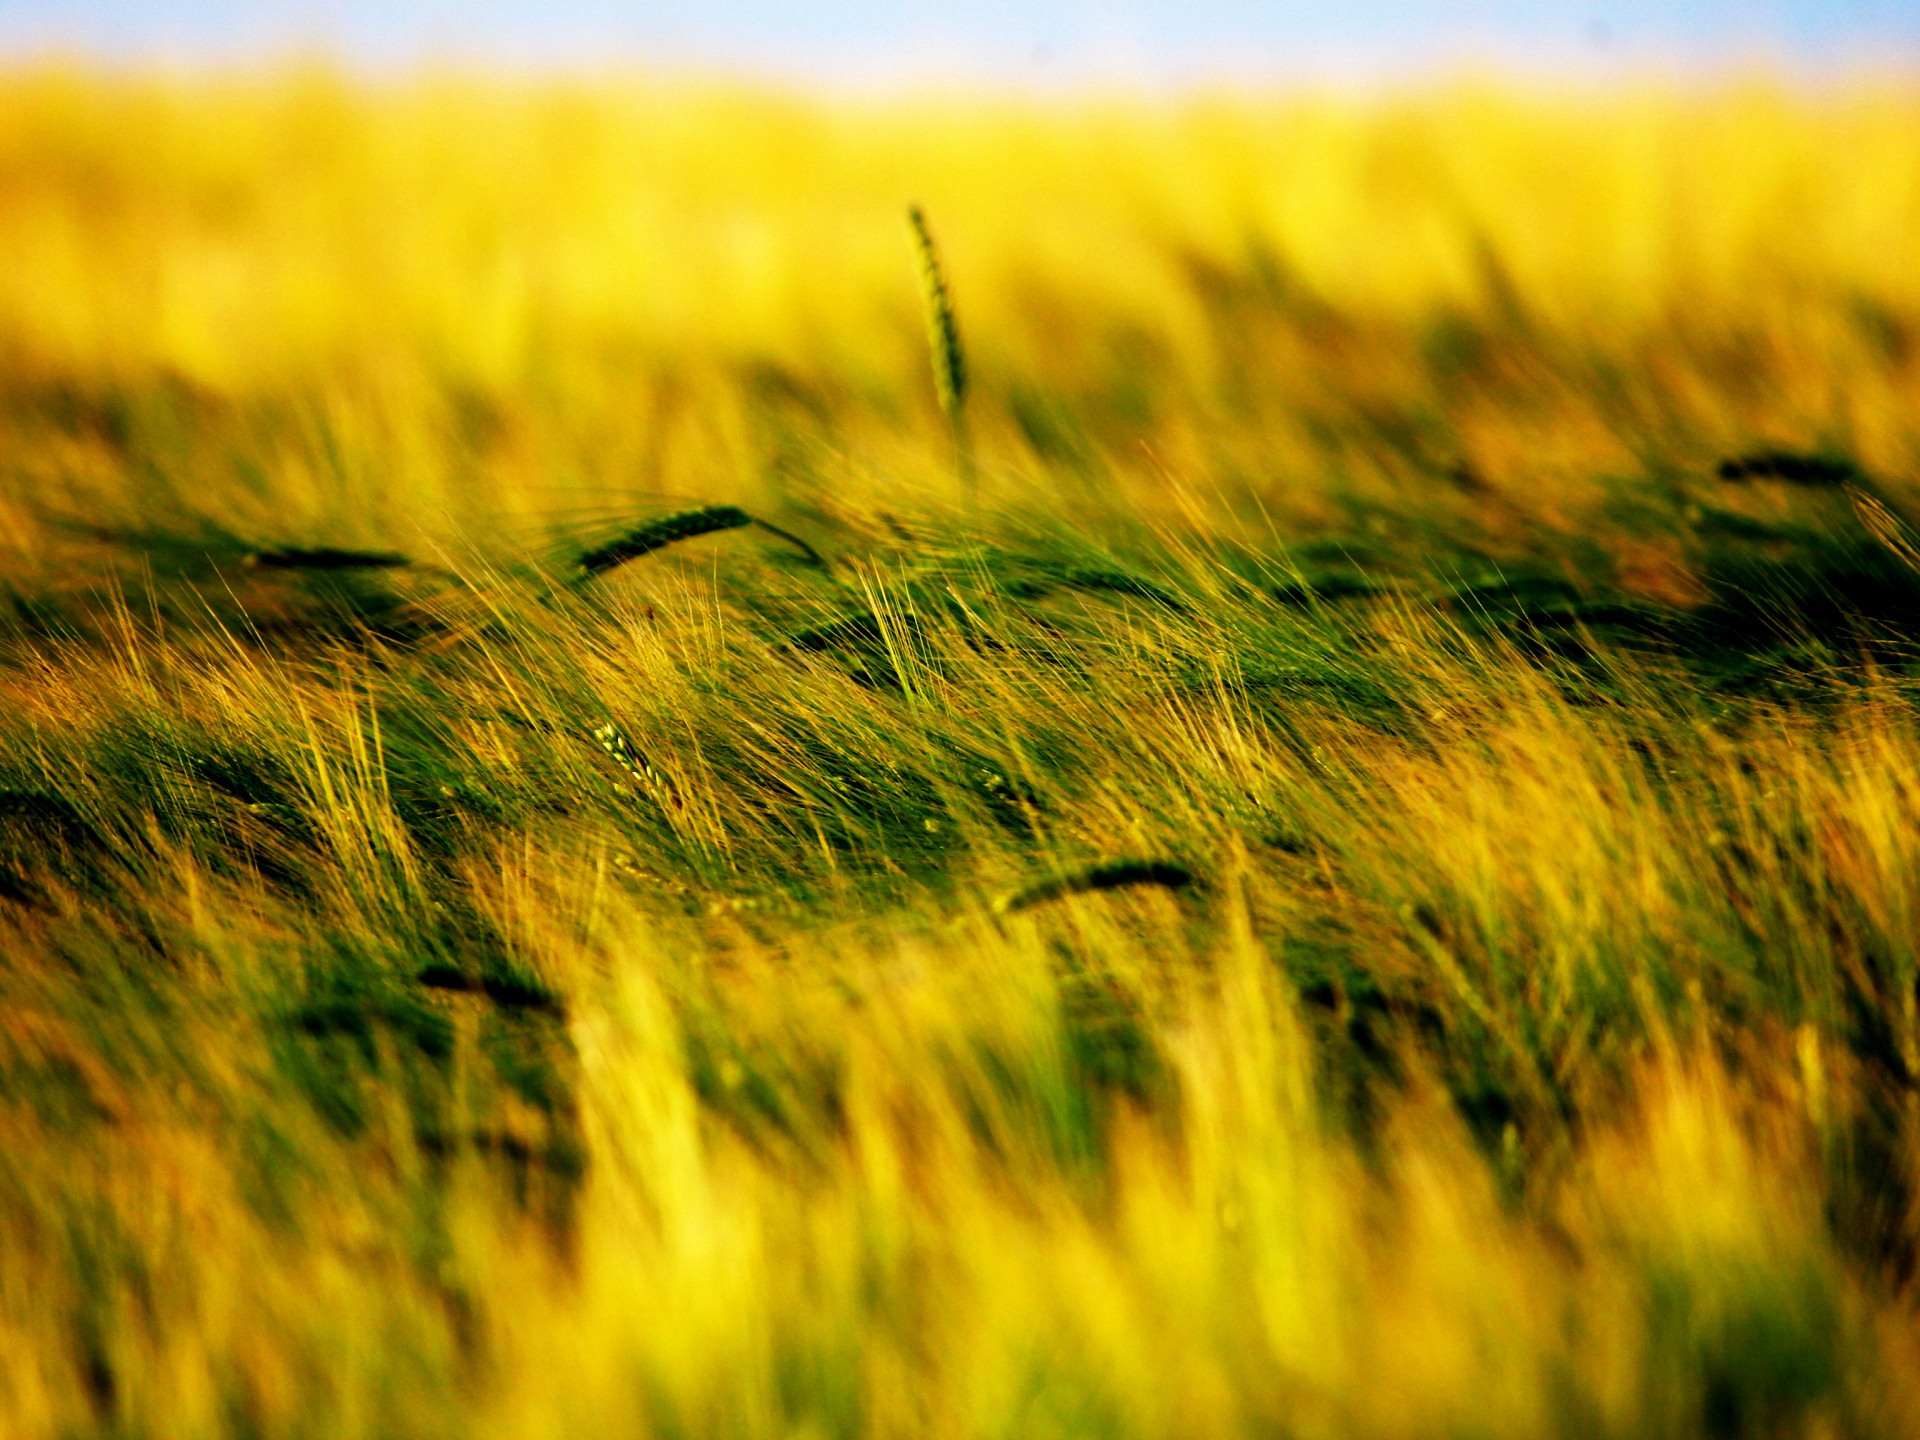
(943, 336)
(1112, 875)
(668, 530)
(672, 529)
(943, 330)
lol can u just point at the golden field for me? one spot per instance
(1352, 870)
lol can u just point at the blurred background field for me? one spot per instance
(1357, 878)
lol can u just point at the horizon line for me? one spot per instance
(915, 70)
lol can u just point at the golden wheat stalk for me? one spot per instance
(1886, 527)
(612, 739)
(943, 338)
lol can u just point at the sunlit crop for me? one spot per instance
(1316, 835)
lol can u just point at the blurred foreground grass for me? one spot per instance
(1467, 538)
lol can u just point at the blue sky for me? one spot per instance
(1021, 41)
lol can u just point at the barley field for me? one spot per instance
(1295, 813)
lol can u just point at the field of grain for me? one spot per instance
(592, 846)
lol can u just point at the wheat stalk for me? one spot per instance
(612, 739)
(943, 338)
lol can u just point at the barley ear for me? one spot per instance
(668, 530)
(943, 337)
(1112, 875)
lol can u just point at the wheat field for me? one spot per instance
(1315, 833)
